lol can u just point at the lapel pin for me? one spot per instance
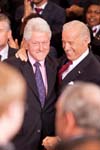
(79, 72)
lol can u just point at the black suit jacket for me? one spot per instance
(11, 52)
(55, 16)
(95, 44)
(38, 122)
(87, 70)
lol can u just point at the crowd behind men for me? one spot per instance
(37, 36)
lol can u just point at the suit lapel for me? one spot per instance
(77, 71)
(51, 71)
(29, 75)
(11, 51)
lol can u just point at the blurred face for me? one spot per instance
(74, 45)
(93, 15)
(15, 119)
(39, 2)
(39, 45)
(4, 35)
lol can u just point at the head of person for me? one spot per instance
(39, 2)
(82, 143)
(5, 30)
(12, 101)
(78, 110)
(92, 14)
(75, 39)
(37, 36)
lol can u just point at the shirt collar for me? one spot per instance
(4, 52)
(32, 60)
(97, 27)
(42, 6)
(77, 61)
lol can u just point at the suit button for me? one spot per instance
(38, 131)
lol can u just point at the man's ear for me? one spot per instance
(10, 34)
(70, 122)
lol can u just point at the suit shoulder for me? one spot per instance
(55, 7)
(16, 62)
(52, 61)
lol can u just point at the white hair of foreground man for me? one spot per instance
(83, 100)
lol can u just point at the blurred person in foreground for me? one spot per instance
(83, 143)
(12, 100)
(77, 113)
(40, 102)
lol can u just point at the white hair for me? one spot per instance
(79, 27)
(36, 24)
(83, 100)
(4, 18)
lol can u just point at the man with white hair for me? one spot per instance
(6, 41)
(83, 64)
(41, 91)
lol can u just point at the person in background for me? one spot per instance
(74, 8)
(84, 66)
(12, 104)
(52, 13)
(7, 44)
(42, 95)
(92, 19)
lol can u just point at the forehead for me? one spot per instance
(40, 35)
(3, 24)
(94, 7)
(71, 34)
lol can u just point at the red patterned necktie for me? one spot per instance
(75, 1)
(38, 10)
(63, 68)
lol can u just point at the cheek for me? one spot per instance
(98, 19)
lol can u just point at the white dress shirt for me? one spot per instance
(4, 53)
(75, 63)
(97, 29)
(42, 69)
(42, 7)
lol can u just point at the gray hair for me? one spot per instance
(78, 26)
(36, 24)
(83, 100)
(5, 19)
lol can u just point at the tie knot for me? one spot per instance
(94, 30)
(37, 64)
(65, 67)
(38, 10)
